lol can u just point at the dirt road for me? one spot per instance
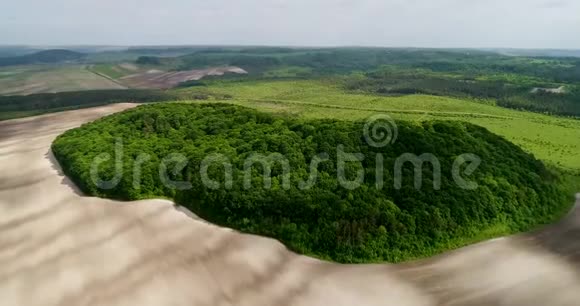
(58, 247)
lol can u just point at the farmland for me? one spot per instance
(298, 107)
(31, 79)
(483, 88)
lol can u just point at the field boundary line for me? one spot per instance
(401, 111)
(89, 68)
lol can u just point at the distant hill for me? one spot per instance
(538, 52)
(11, 51)
(42, 57)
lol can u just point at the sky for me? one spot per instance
(551, 24)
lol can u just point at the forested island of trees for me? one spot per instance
(377, 221)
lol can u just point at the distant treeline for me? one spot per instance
(457, 73)
(341, 60)
(19, 106)
(446, 72)
(512, 91)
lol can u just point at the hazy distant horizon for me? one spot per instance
(492, 24)
(123, 47)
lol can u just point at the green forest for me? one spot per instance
(377, 221)
(505, 90)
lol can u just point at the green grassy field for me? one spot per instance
(117, 71)
(24, 80)
(112, 71)
(287, 72)
(555, 140)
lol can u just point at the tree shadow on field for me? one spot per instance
(561, 238)
(65, 180)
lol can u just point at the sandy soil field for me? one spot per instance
(58, 247)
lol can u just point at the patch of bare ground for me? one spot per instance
(559, 90)
(58, 247)
(164, 80)
(129, 66)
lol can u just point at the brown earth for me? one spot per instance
(58, 247)
(164, 80)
